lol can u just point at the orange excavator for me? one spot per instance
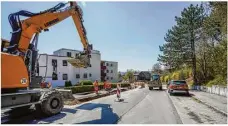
(19, 58)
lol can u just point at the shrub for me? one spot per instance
(68, 83)
(190, 73)
(182, 76)
(166, 78)
(86, 82)
(89, 88)
(125, 85)
(185, 73)
(162, 78)
(218, 80)
(175, 75)
(80, 89)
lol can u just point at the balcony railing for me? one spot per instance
(103, 67)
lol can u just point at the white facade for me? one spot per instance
(93, 73)
(111, 71)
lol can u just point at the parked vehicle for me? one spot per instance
(178, 86)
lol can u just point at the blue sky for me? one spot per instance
(127, 32)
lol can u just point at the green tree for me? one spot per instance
(156, 69)
(129, 75)
(179, 48)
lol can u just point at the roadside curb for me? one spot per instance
(212, 107)
(178, 115)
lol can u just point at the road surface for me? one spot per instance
(140, 106)
(155, 108)
(108, 111)
(192, 111)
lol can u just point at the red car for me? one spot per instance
(178, 86)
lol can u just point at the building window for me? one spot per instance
(107, 78)
(64, 63)
(111, 65)
(54, 62)
(85, 75)
(107, 64)
(77, 75)
(54, 76)
(90, 75)
(107, 71)
(111, 78)
(111, 71)
(68, 54)
(65, 77)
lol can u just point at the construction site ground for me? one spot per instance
(22, 117)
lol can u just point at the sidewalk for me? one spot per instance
(215, 101)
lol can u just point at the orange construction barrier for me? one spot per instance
(95, 84)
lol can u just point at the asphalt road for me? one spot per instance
(192, 111)
(140, 106)
(148, 108)
(155, 108)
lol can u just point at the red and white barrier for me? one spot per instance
(118, 91)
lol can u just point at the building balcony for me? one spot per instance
(103, 67)
(103, 74)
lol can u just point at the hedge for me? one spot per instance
(89, 88)
(68, 83)
(80, 89)
(86, 82)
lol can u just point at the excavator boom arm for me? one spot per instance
(44, 20)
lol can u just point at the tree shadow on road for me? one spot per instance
(107, 114)
(49, 120)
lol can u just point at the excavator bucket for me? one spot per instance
(76, 63)
(79, 62)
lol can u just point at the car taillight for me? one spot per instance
(171, 86)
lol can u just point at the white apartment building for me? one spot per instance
(65, 71)
(109, 71)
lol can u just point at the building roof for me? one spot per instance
(136, 73)
(109, 61)
(52, 55)
(93, 51)
(145, 73)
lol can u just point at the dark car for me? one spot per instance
(178, 86)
